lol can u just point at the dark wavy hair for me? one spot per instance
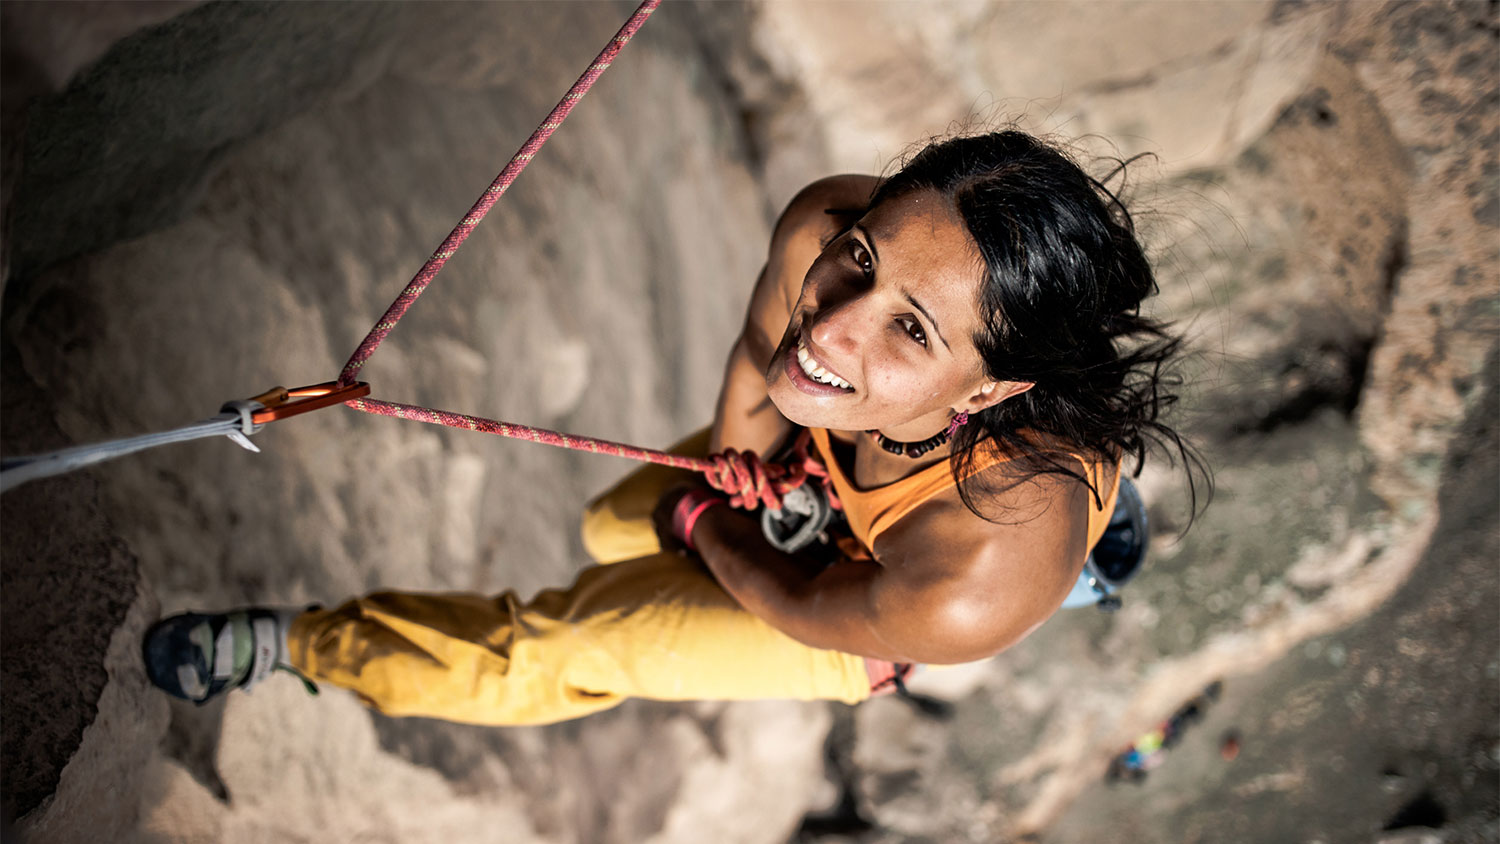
(1065, 278)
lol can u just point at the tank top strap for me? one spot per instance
(871, 512)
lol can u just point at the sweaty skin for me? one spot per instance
(889, 307)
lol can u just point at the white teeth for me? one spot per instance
(816, 372)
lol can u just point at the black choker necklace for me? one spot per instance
(910, 449)
(918, 449)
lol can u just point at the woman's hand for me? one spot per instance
(745, 479)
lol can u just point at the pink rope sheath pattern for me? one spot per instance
(526, 432)
(760, 484)
(493, 193)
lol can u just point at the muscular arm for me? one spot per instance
(745, 418)
(948, 586)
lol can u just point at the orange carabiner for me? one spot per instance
(280, 402)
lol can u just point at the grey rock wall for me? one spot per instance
(259, 181)
(205, 201)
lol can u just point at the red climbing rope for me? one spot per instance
(526, 432)
(491, 194)
(748, 481)
(743, 476)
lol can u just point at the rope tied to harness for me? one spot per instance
(750, 482)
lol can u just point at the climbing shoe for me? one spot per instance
(198, 656)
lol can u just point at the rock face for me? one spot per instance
(228, 195)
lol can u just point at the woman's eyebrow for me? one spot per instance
(918, 306)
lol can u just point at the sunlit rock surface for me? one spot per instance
(202, 201)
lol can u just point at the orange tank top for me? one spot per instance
(871, 512)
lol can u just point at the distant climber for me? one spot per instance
(1148, 752)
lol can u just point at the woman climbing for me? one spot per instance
(962, 346)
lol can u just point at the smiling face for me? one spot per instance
(882, 336)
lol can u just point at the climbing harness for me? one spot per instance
(805, 510)
(801, 520)
(1117, 556)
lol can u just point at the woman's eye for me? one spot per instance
(861, 258)
(914, 330)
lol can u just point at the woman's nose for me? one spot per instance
(840, 326)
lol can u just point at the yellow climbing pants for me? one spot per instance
(644, 623)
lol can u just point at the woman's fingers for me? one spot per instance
(749, 482)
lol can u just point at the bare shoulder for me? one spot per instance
(958, 587)
(810, 219)
(818, 212)
(812, 210)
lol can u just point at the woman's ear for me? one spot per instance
(992, 393)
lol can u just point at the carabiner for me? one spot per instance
(281, 403)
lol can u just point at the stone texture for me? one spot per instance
(1381, 726)
(314, 211)
(1191, 85)
(227, 199)
(70, 594)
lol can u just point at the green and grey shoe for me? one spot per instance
(197, 656)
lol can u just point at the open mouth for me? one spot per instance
(813, 376)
